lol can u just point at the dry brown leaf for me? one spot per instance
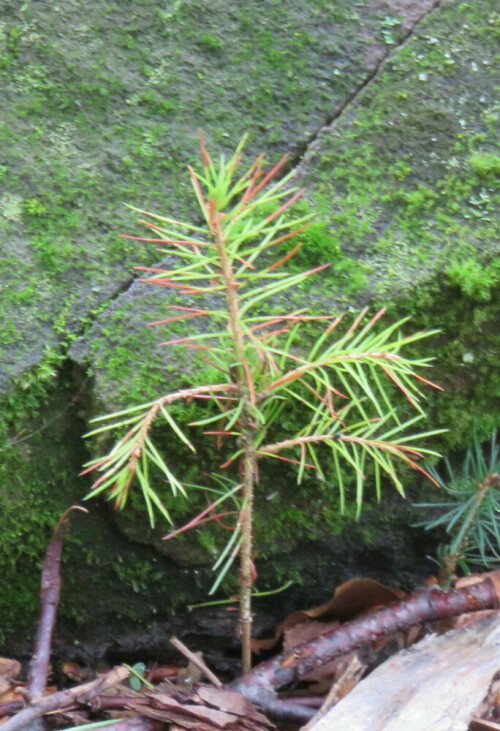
(479, 724)
(306, 631)
(476, 578)
(161, 672)
(11, 694)
(207, 709)
(178, 720)
(220, 719)
(225, 700)
(191, 675)
(326, 674)
(77, 673)
(9, 669)
(464, 619)
(349, 600)
(356, 597)
(412, 635)
(162, 701)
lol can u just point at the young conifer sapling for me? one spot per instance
(341, 389)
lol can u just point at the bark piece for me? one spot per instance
(207, 709)
(436, 685)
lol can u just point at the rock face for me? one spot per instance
(389, 114)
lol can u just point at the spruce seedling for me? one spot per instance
(342, 386)
(470, 516)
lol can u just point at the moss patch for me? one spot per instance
(410, 171)
(104, 580)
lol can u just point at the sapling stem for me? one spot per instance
(242, 374)
(246, 560)
(448, 569)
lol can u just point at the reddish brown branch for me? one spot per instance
(64, 698)
(49, 599)
(259, 685)
(8, 709)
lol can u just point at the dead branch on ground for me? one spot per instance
(50, 587)
(260, 684)
(64, 698)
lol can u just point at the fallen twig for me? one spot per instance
(49, 600)
(260, 683)
(192, 657)
(7, 709)
(64, 698)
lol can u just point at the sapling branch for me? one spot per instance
(448, 570)
(470, 513)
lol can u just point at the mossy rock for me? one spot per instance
(101, 106)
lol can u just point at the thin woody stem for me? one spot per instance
(391, 447)
(296, 442)
(246, 560)
(243, 376)
(231, 291)
(448, 569)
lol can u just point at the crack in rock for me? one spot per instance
(409, 23)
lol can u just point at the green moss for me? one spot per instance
(28, 476)
(407, 176)
(485, 165)
(102, 105)
(466, 353)
(477, 281)
(412, 184)
(103, 579)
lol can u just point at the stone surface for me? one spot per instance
(101, 106)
